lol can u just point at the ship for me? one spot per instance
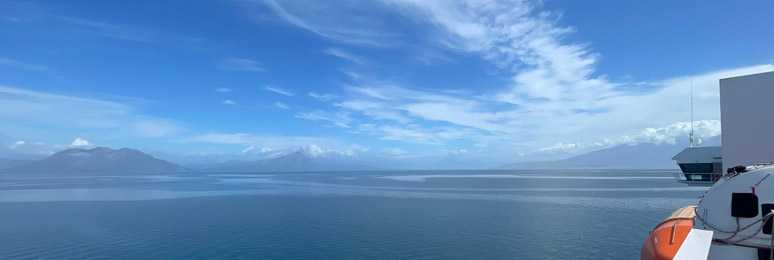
(699, 165)
(733, 219)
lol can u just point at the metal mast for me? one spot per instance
(691, 134)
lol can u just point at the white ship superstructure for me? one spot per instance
(734, 218)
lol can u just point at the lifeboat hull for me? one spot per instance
(665, 240)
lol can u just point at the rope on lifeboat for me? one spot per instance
(735, 232)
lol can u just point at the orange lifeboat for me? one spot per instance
(669, 235)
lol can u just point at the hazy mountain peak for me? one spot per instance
(294, 161)
(625, 156)
(99, 160)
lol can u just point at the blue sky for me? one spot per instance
(476, 83)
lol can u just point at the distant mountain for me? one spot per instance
(639, 156)
(296, 161)
(98, 160)
(8, 163)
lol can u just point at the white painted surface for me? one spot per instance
(715, 207)
(702, 154)
(696, 245)
(724, 252)
(747, 116)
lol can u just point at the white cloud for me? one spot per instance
(229, 102)
(561, 147)
(349, 151)
(258, 140)
(323, 97)
(274, 145)
(261, 153)
(30, 149)
(279, 91)
(340, 119)
(670, 134)
(460, 151)
(318, 17)
(223, 90)
(21, 65)
(248, 149)
(238, 64)
(345, 55)
(78, 142)
(419, 134)
(17, 144)
(281, 105)
(26, 113)
(554, 89)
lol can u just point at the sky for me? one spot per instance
(468, 84)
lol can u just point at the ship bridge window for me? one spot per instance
(696, 167)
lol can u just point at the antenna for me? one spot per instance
(691, 134)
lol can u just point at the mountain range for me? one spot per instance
(98, 160)
(296, 161)
(126, 160)
(626, 156)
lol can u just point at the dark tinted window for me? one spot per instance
(696, 167)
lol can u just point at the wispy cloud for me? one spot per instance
(46, 114)
(418, 134)
(110, 30)
(345, 55)
(248, 149)
(30, 149)
(323, 97)
(340, 119)
(261, 140)
(670, 134)
(22, 65)
(17, 144)
(239, 64)
(279, 91)
(315, 17)
(223, 90)
(281, 105)
(555, 89)
(11, 19)
(229, 102)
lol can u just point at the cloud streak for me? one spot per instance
(315, 17)
(22, 65)
(321, 97)
(281, 105)
(239, 64)
(554, 90)
(279, 91)
(110, 30)
(45, 114)
(340, 119)
(345, 55)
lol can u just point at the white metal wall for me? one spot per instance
(747, 116)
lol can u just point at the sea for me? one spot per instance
(463, 214)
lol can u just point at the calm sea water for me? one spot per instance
(337, 215)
